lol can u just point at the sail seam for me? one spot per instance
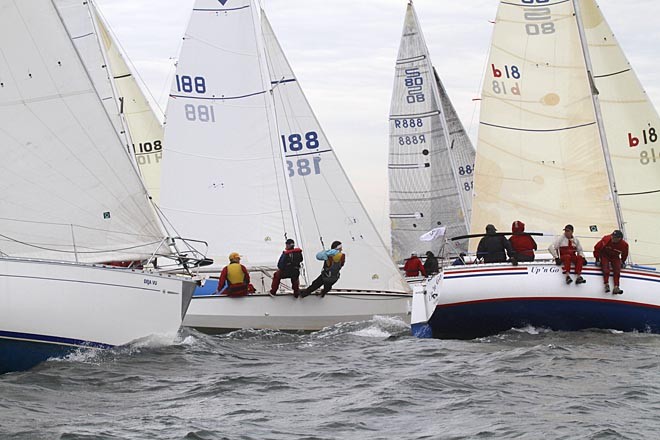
(538, 130)
(215, 98)
(220, 10)
(415, 115)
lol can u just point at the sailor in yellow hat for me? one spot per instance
(234, 278)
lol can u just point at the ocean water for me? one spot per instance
(367, 380)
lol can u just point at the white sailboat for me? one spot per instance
(71, 198)
(431, 157)
(567, 135)
(144, 126)
(264, 171)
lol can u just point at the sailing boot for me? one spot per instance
(580, 280)
(272, 293)
(569, 280)
(304, 293)
(607, 288)
(617, 291)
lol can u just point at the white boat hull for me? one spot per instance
(50, 308)
(474, 301)
(220, 313)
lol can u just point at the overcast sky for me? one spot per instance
(343, 53)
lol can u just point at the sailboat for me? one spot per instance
(567, 135)
(431, 163)
(71, 198)
(243, 146)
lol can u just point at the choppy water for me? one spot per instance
(354, 381)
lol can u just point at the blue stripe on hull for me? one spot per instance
(473, 320)
(22, 351)
(22, 355)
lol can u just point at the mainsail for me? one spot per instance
(431, 160)
(539, 156)
(146, 130)
(222, 172)
(326, 205)
(632, 127)
(68, 183)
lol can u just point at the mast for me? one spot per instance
(599, 118)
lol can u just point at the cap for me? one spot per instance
(290, 241)
(234, 256)
(617, 234)
(569, 228)
(490, 227)
(413, 254)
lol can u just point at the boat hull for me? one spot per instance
(48, 309)
(220, 314)
(475, 302)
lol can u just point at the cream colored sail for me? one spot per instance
(539, 155)
(632, 127)
(146, 130)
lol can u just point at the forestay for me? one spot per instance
(430, 162)
(146, 130)
(539, 156)
(631, 124)
(67, 180)
(222, 170)
(326, 205)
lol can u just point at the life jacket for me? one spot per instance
(235, 274)
(332, 266)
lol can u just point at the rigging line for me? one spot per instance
(550, 130)
(276, 148)
(79, 252)
(286, 118)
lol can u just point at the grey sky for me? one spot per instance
(343, 52)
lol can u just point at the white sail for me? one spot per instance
(146, 130)
(77, 17)
(222, 170)
(326, 205)
(67, 181)
(539, 155)
(632, 127)
(430, 185)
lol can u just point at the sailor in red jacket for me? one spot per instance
(414, 266)
(612, 249)
(523, 244)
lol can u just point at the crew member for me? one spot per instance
(494, 248)
(333, 260)
(288, 266)
(612, 249)
(431, 265)
(234, 278)
(567, 250)
(522, 243)
(414, 266)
